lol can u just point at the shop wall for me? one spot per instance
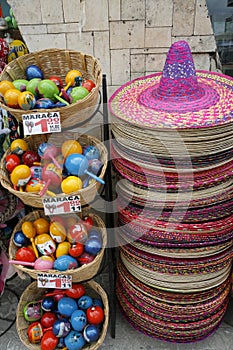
(130, 38)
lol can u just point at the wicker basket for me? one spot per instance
(58, 62)
(10, 207)
(87, 195)
(32, 292)
(82, 273)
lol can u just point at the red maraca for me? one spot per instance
(52, 176)
(48, 151)
(43, 263)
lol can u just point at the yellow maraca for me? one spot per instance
(30, 232)
(70, 78)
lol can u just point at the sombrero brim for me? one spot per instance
(137, 102)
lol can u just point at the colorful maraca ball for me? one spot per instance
(20, 84)
(57, 81)
(66, 306)
(48, 304)
(74, 340)
(52, 174)
(78, 93)
(76, 164)
(78, 320)
(11, 98)
(41, 225)
(57, 232)
(91, 152)
(4, 86)
(49, 341)
(70, 146)
(93, 246)
(77, 233)
(48, 318)
(33, 71)
(26, 100)
(20, 175)
(19, 146)
(63, 248)
(91, 333)
(85, 302)
(44, 103)
(25, 254)
(47, 88)
(45, 244)
(88, 84)
(61, 327)
(44, 263)
(71, 184)
(20, 240)
(32, 86)
(11, 161)
(95, 315)
(32, 311)
(70, 77)
(35, 332)
(65, 262)
(30, 157)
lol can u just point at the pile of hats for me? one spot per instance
(172, 146)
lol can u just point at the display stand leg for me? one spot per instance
(109, 216)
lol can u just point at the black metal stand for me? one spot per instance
(109, 215)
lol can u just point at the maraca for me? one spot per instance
(94, 166)
(30, 157)
(20, 84)
(26, 100)
(43, 263)
(30, 232)
(65, 262)
(33, 71)
(91, 152)
(78, 320)
(74, 340)
(57, 81)
(11, 161)
(78, 93)
(19, 146)
(11, 98)
(32, 86)
(48, 151)
(70, 78)
(70, 146)
(47, 88)
(20, 176)
(45, 244)
(52, 176)
(4, 86)
(77, 165)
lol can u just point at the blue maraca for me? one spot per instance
(66, 306)
(77, 165)
(85, 302)
(61, 327)
(91, 152)
(91, 333)
(74, 341)
(65, 262)
(20, 240)
(48, 304)
(93, 246)
(78, 320)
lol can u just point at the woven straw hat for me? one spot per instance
(177, 98)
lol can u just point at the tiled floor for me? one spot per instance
(126, 338)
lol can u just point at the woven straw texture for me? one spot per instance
(87, 194)
(58, 62)
(32, 293)
(82, 273)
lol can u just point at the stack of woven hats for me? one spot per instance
(173, 149)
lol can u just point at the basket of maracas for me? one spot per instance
(45, 165)
(70, 244)
(75, 318)
(52, 80)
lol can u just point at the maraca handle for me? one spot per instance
(18, 262)
(61, 100)
(56, 163)
(95, 177)
(45, 188)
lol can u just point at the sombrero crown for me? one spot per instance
(178, 97)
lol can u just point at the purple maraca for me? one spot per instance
(77, 165)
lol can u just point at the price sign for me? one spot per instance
(41, 123)
(61, 205)
(51, 280)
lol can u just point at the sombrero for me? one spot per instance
(177, 98)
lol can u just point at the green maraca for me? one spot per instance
(48, 89)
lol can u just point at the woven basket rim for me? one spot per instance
(21, 323)
(84, 272)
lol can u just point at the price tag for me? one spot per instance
(50, 280)
(41, 123)
(61, 205)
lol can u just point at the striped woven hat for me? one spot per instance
(177, 98)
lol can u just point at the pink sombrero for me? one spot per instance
(178, 98)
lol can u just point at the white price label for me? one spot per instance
(41, 123)
(50, 280)
(61, 205)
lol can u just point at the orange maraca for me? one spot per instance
(29, 231)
